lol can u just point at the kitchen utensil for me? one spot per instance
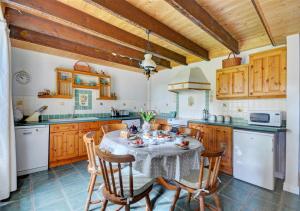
(227, 119)
(220, 118)
(212, 118)
(205, 114)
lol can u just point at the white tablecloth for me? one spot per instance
(164, 160)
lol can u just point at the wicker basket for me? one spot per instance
(81, 67)
(229, 62)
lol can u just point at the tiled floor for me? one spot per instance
(65, 188)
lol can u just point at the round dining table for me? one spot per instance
(161, 160)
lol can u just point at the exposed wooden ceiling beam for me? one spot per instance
(53, 42)
(136, 16)
(67, 13)
(51, 28)
(199, 16)
(263, 20)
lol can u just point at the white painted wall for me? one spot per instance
(291, 183)
(165, 101)
(130, 87)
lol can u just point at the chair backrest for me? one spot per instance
(195, 133)
(167, 128)
(88, 139)
(114, 184)
(113, 127)
(211, 180)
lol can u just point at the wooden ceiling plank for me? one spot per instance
(67, 13)
(53, 42)
(51, 28)
(193, 11)
(263, 20)
(136, 16)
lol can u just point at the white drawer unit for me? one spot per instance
(253, 158)
(32, 147)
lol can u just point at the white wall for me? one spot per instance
(165, 101)
(130, 87)
(293, 104)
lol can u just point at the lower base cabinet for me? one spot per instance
(66, 141)
(216, 138)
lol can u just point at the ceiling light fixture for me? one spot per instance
(148, 65)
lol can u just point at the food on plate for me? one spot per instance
(138, 141)
(184, 143)
(147, 135)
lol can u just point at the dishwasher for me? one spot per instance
(253, 157)
(32, 147)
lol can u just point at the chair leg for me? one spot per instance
(127, 207)
(201, 203)
(217, 201)
(189, 197)
(175, 198)
(91, 189)
(90, 183)
(148, 203)
(105, 201)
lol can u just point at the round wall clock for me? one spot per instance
(22, 77)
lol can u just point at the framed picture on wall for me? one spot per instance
(83, 99)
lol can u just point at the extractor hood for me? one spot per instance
(189, 79)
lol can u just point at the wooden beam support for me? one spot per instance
(53, 42)
(57, 30)
(136, 16)
(199, 16)
(263, 20)
(67, 13)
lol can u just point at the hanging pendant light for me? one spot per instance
(148, 65)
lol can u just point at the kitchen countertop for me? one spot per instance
(53, 121)
(243, 126)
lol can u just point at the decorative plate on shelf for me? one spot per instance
(22, 77)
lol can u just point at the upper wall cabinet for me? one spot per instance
(232, 82)
(267, 74)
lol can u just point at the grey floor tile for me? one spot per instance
(71, 178)
(235, 193)
(78, 200)
(59, 205)
(47, 197)
(256, 204)
(45, 186)
(290, 200)
(266, 195)
(24, 203)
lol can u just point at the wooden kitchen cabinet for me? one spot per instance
(63, 147)
(66, 141)
(232, 82)
(216, 138)
(267, 74)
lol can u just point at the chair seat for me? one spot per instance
(191, 180)
(141, 183)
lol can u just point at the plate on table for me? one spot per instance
(133, 137)
(137, 145)
(184, 147)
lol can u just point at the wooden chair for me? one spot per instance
(195, 133)
(113, 127)
(125, 187)
(202, 183)
(157, 126)
(92, 168)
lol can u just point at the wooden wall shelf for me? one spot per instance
(56, 96)
(85, 86)
(106, 98)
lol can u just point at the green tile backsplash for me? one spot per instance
(77, 105)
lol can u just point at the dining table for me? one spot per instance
(160, 158)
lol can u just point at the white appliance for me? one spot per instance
(253, 158)
(32, 147)
(130, 122)
(267, 118)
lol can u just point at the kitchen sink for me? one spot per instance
(73, 119)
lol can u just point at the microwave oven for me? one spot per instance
(266, 118)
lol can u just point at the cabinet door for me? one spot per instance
(223, 139)
(267, 74)
(240, 81)
(64, 145)
(81, 145)
(223, 84)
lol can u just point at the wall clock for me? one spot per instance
(22, 77)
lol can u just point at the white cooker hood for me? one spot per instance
(189, 79)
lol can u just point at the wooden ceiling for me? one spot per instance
(182, 31)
